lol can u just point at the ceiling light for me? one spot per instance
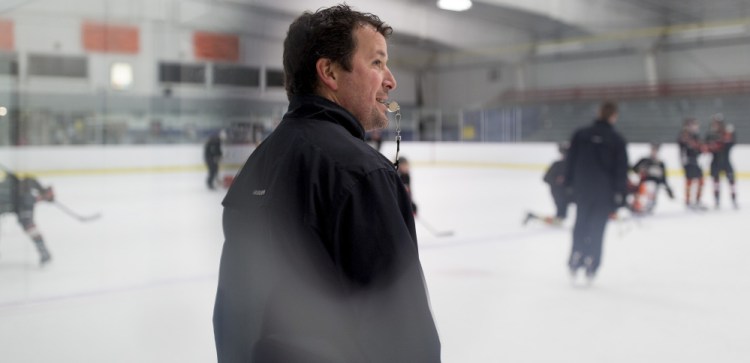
(454, 5)
(3, 111)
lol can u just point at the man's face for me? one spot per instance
(613, 118)
(369, 81)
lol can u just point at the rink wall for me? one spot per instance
(77, 160)
(537, 156)
(97, 159)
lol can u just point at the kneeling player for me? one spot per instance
(652, 175)
(555, 178)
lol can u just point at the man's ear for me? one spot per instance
(327, 72)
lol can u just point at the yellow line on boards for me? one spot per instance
(235, 167)
(109, 171)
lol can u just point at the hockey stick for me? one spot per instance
(62, 207)
(82, 218)
(432, 230)
(625, 224)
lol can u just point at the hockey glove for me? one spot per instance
(48, 195)
(619, 200)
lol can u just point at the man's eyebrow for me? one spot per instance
(381, 53)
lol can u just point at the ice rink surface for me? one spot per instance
(138, 284)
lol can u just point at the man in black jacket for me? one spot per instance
(597, 171)
(320, 260)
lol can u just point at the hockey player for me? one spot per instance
(212, 156)
(719, 142)
(652, 174)
(555, 178)
(22, 195)
(403, 173)
(690, 149)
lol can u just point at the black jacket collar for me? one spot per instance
(602, 122)
(316, 107)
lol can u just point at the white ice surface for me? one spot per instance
(138, 284)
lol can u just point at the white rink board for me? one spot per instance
(535, 155)
(92, 159)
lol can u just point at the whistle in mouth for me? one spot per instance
(392, 106)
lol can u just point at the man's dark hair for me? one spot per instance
(607, 109)
(326, 33)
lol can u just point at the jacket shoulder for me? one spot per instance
(620, 137)
(332, 143)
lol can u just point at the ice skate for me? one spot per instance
(590, 274)
(44, 255)
(529, 216)
(44, 258)
(572, 272)
(698, 207)
(573, 266)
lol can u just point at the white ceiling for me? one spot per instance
(513, 30)
(492, 31)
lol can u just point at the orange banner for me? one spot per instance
(6, 35)
(216, 46)
(99, 37)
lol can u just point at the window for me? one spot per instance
(58, 66)
(8, 64)
(274, 78)
(182, 73)
(233, 75)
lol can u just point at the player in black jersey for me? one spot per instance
(690, 149)
(652, 174)
(212, 154)
(719, 142)
(19, 195)
(555, 178)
